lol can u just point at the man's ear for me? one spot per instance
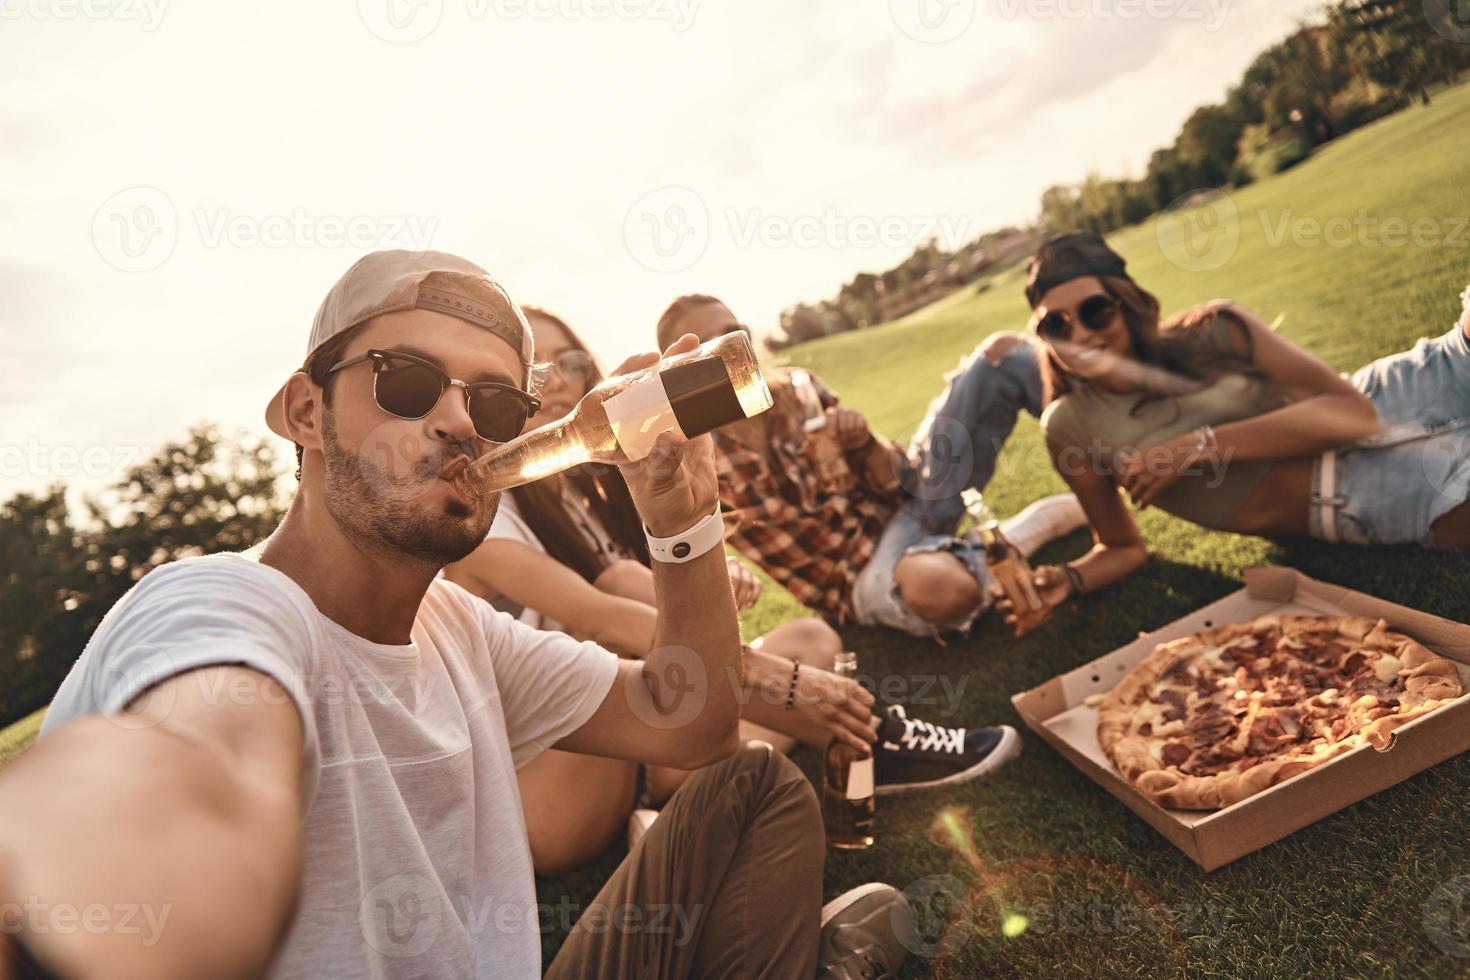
(302, 401)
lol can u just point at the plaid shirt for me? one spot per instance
(812, 542)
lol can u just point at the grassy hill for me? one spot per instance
(1101, 892)
(1346, 895)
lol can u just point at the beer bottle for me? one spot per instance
(1009, 566)
(619, 421)
(847, 784)
(827, 457)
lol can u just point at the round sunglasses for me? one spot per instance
(573, 364)
(1095, 313)
(409, 387)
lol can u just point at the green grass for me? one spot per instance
(1102, 893)
(1344, 896)
(15, 738)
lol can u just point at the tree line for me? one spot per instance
(63, 568)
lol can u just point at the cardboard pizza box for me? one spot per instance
(1056, 711)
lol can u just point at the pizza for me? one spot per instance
(1210, 719)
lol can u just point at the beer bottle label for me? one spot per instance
(702, 395)
(639, 414)
(691, 398)
(860, 779)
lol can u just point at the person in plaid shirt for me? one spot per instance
(882, 550)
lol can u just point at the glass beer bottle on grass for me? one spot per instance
(620, 420)
(847, 784)
(1013, 573)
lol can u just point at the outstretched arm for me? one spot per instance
(186, 806)
(1326, 412)
(1119, 548)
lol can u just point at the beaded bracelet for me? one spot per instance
(791, 693)
(1075, 577)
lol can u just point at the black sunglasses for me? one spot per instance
(409, 387)
(1096, 313)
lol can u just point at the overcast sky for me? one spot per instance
(181, 182)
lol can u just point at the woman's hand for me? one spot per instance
(745, 583)
(1052, 585)
(674, 487)
(1146, 473)
(840, 705)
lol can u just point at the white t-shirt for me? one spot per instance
(416, 862)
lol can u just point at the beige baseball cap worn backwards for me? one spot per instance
(390, 281)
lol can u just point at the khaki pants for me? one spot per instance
(726, 883)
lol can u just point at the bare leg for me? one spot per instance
(575, 806)
(938, 587)
(816, 643)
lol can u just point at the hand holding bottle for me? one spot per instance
(1052, 586)
(849, 426)
(674, 486)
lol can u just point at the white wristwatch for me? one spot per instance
(707, 534)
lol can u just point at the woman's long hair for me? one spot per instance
(603, 487)
(1185, 346)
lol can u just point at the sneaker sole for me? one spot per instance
(847, 900)
(1007, 749)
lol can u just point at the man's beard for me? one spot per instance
(387, 512)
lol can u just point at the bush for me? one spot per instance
(1290, 152)
(1281, 154)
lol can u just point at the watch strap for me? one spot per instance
(690, 544)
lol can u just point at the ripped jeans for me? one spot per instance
(955, 448)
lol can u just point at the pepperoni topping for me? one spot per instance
(1259, 744)
(1174, 700)
(1176, 754)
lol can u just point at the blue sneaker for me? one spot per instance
(913, 754)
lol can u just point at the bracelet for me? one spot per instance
(1074, 577)
(690, 544)
(791, 693)
(1205, 444)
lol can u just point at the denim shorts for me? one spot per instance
(1390, 488)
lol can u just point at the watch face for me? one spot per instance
(681, 550)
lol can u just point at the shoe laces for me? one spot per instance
(925, 736)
